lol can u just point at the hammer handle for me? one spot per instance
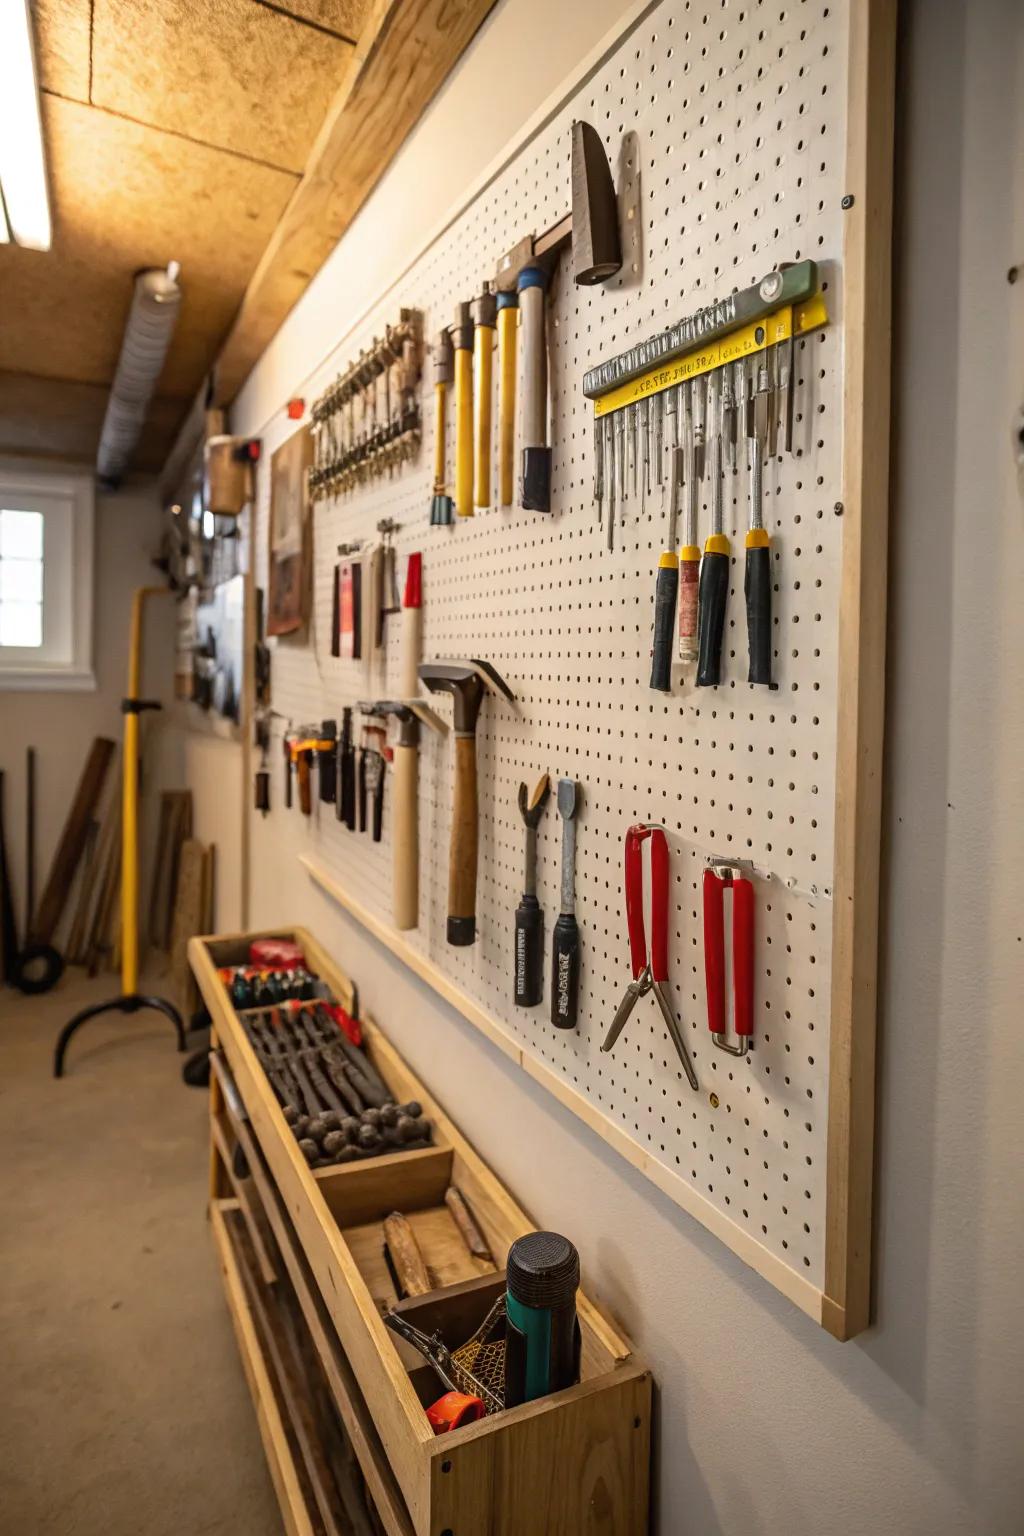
(406, 1255)
(305, 790)
(405, 838)
(462, 861)
(412, 642)
(535, 368)
(508, 320)
(483, 356)
(463, 432)
(440, 444)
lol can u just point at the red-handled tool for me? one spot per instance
(453, 1410)
(650, 974)
(716, 877)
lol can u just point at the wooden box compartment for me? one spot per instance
(573, 1464)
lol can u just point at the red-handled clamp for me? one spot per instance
(716, 877)
(650, 973)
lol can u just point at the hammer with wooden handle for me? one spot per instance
(467, 682)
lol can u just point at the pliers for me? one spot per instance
(650, 972)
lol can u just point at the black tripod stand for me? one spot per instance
(130, 1000)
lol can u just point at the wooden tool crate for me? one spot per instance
(572, 1464)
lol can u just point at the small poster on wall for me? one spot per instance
(290, 536)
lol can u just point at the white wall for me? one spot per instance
(765, 1424)
(61, 726)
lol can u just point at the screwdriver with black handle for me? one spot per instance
(666, 590)
(714, 568)
(565, 945)
(529, 951)
(757, 577)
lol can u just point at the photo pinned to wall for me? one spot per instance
(290, 537)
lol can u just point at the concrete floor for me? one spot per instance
(123, 1407)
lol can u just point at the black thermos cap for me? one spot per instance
(543, 1270)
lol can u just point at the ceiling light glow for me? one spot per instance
(22, 166)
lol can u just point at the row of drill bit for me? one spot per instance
(717, 408)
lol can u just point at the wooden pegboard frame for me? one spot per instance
(826, 876)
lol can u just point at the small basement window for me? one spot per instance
(46, 555)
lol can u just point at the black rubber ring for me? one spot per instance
(31, 955)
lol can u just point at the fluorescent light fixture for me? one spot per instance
(22, 167)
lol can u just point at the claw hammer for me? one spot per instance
(468, 682)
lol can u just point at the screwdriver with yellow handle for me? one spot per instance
(484, 311)
(714, 569)
(757, 577)
(508, 322)
(462, 341)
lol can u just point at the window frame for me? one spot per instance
(71, 501)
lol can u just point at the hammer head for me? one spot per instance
(596, 247)
(467, 682)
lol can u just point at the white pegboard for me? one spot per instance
(739, 112)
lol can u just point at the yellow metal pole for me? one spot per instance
(130, 801)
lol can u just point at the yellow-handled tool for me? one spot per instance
(508, 322)
(444, 368)
(484, 310)
(462, 341)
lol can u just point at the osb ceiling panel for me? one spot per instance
(54, 418)
(175, 129)
(127, 197)
(342, 16)
(62, 46)
(234, 74)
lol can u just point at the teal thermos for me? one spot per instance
(542, 1331)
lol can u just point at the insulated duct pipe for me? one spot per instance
(147, 336)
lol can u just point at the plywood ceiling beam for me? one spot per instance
(405, 51)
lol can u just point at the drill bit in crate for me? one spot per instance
(338, 1107)
(367, 422)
